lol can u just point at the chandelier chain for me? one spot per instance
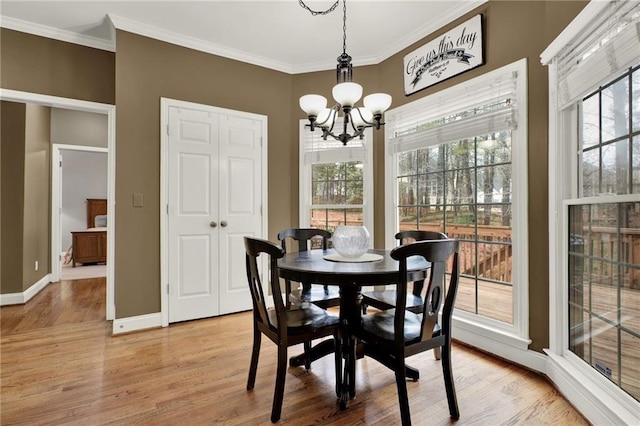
(344, 26)
(319, 12)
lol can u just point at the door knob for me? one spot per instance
(223, 223)
(213, 224)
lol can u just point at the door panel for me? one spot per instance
(241, 177)
(193, 243)
(240, 206)
(195, 184)
(195, 274)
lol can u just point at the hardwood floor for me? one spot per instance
(60, 365)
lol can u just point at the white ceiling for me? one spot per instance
(276, 34)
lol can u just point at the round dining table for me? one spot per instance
(350, 275)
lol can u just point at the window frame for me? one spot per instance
(335, 155)
(507, 340)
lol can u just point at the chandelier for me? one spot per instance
(346, 93)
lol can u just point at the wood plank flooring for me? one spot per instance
(60, 365)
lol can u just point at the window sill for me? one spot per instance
(498, 342)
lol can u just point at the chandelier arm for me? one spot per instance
(357, 131)
(319, 12)
(333, 115)
(369, 123)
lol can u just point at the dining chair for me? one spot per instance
(386, 299)
(324, 296)
(391, 335)
(285, 327)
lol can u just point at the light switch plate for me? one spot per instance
(138, 200)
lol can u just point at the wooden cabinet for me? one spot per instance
(89, 247)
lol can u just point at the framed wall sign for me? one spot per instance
(455, 52)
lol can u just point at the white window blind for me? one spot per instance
(609, 45)
(317, 150)
(461, 112)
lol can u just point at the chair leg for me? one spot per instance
(338, 363)
(255, 353)
(437, 353)
(307, 355)
(403, 396)
(278, 394)
(287, 292)
(305, 295)
(448, 381)
(326, 290)
(351, 379)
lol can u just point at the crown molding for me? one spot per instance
(463, 7)
(151, 31)
(56, 34)
(157, 33)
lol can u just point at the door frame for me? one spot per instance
(165, 104)
(94, 107)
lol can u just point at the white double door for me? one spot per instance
(214, 200)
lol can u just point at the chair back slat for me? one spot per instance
(452, 291)
(303, 237)
(254, 248)
(413, 235)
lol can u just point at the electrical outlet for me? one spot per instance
(36, 265)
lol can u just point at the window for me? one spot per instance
(463, 188)
(610, 138)
(451, 167)
(594, 202)
(604, 237)
(335, 181)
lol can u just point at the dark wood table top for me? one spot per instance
(311, 266)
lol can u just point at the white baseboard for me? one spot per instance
(140, 322)
(25, 296)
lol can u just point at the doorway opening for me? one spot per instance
(93, 107)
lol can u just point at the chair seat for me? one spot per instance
(381, 324)
(386, 299)
(322, 295)
(308, 317)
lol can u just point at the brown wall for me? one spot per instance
(25, 195)
(37, 191)
(12, 128)
(147, 70)
(41, 65)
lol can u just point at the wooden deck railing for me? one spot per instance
(494, 257)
